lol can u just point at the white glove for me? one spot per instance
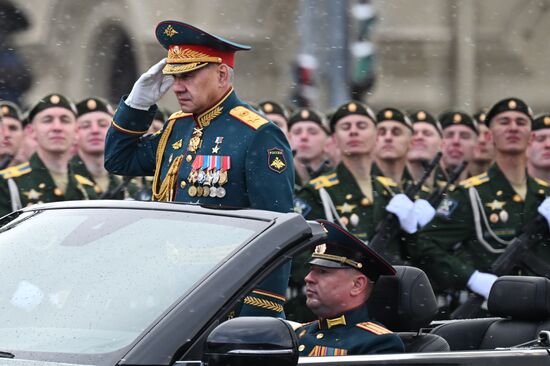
(150, 87)
(481, 283)
(423, 211)
(402, 207)
(544, 209)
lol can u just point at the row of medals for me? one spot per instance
(207, 183)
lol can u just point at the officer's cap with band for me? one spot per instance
(271, 107)
(190, 48)
(541, 122)
(10, 109)
(343, 250)
(457, 118)
(506, 105)
(93, 104)
(348, 109)
(308, 115)
(425, 117)
(51, 101)
(393, 114)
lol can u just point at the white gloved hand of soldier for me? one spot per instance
(402, 207)
(150, 87)
(544, 209)
(424, 212)
(481, 283)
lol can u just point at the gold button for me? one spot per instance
(517, 198)
(499, 193)
(541, 191)
(301, 348)
(183, 184)
(365, 202)
(348, 196)
(42, 185)
(188, 158)
(319, 336)
(344, 220)
(58, 192)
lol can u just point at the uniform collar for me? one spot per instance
(351, 317)
(227, 102)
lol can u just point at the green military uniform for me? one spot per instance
(351, 332)
(448, 248)
(36, 185)
(79, 167)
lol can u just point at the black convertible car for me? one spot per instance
(140, 283)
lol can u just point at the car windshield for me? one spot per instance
(91, 280)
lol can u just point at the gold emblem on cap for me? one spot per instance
(457, 118)
(388, 114)
(321, 249)
(352, 107)
(268, 107)
(546, 121)
(512, 104)
(421, 116)
(482, 117)
(91, 104)
(304, 114)
(54, 99)
(5, 109)
(170, 31)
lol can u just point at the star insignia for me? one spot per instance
(496, 205)
(346, 208)
(32, 194)
(215, 149)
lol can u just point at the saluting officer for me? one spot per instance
(538, 152)
(486, 212)
(341, 279)
(216, 151)
(46, 177)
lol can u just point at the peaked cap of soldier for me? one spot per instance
(343, 250)
(506, 105)
(190, 48)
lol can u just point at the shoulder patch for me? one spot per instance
(325, 181)
(248, 117)
(475, 180)
(83, 180)
(373, 328)
(301, 207)
(179, 114)
(541, 182)
(386, 182)
(16, 171)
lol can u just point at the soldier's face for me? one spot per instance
(355, 135)
(329, 291)
(538, 151)
(54, 130)
(280, 121)
(484, 150)
(511, 132)
(393, 140)
(426, 142)
(12, 136)
(91, 131)
(198, 90)
(458, 145)
(308, 139)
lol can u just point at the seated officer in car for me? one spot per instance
(341, 279)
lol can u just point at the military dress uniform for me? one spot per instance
(36, 185)
(228, 155)
(351, 332)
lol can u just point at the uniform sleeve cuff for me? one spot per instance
(131, 120)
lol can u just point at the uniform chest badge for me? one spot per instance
(32, 195)
(276, 160)
(177, 145)
(446, 208)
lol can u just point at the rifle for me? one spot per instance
(439, 193)
(517, 254)
(388, 228)
(113, 193)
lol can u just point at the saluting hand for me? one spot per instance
(150, 87)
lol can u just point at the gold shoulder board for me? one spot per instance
(16, 171)
(179, 114)
(387, 182)
(374, 328)
(475, 180)
(541, 182)
(325, 181)
(248, 117)
(83, 180)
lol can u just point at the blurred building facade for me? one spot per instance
(430, 54)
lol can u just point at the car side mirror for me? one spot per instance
(252, 341)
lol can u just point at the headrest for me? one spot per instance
(404, 302)
(520, 297)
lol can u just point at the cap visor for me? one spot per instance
(171, 69)
(326, 263)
